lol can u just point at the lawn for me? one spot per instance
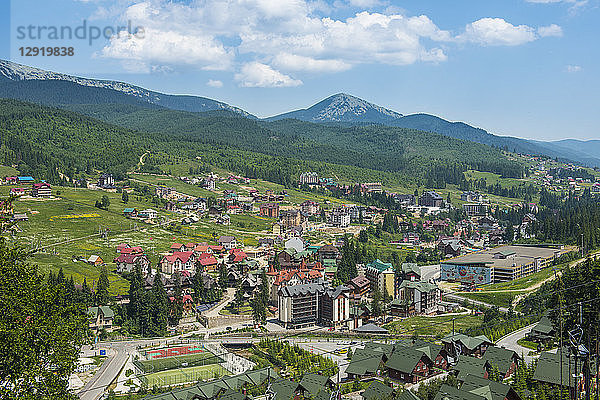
(522, 283)
(179, 185)
(8, 171)
(433, 326)
(185, 375)
(66, 229)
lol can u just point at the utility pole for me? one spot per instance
(560, 351)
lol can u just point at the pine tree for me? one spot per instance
(102, 296)
(160, 306)
(223, 275)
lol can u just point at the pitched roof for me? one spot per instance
(451, 393)
(467, 365)
(314, 383)
(210, 260)
(469, 342)
(371, 328)
(544, 326)
(405, 359)
(359, 281)
(105, 310)
(500, 358)
(548, 368)
(382, 348)
(284, 389)
(411, 267)
(494, 390)
(377, 391)
(364, 363)
(408, 395)
(297, 290)
(129, 258)
(419, 285)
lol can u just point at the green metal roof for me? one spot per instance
(469, 342)
(382, 348)
(500, 358)
(467, 365)
(284, 389)
(419, 285)
(486, 388)
(314, 383)
(451, 393)
(377, 391)
(548, 368)
(364, 363)
(411, 267)
(404, 359)
(380, 265)
(329, 262)
(544, 326)
(106, 311)
(408, 395)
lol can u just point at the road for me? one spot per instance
(429, 272)
(455, 297)
(228, 298)
(107, 373)
(510, 342)
(113, 365)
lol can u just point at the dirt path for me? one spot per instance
(142, 158)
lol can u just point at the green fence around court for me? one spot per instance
(182, 376)
(167, 363)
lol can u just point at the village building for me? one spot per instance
(270, 210)
(381, 276)
(228, 242)
(42, 189)
(310, 207)
(100, 319)
(126, 263)
(431, 199)
(339, 217)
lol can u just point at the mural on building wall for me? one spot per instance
(466, 274)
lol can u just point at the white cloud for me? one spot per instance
(498, 32)
(550, 30)
(214, 83)
(575, 5)
(365, 3)
(573, 68)
(293, 62)
(256, 74)
(166, 47)
(294, 36)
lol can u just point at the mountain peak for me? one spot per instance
(343, 107)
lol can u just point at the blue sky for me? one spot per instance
(526, 68)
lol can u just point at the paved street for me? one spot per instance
(510, 342)
(109, 370)
(457, 298)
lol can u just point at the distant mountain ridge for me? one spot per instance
(50, 88)
(350, 110)
(25, 78)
